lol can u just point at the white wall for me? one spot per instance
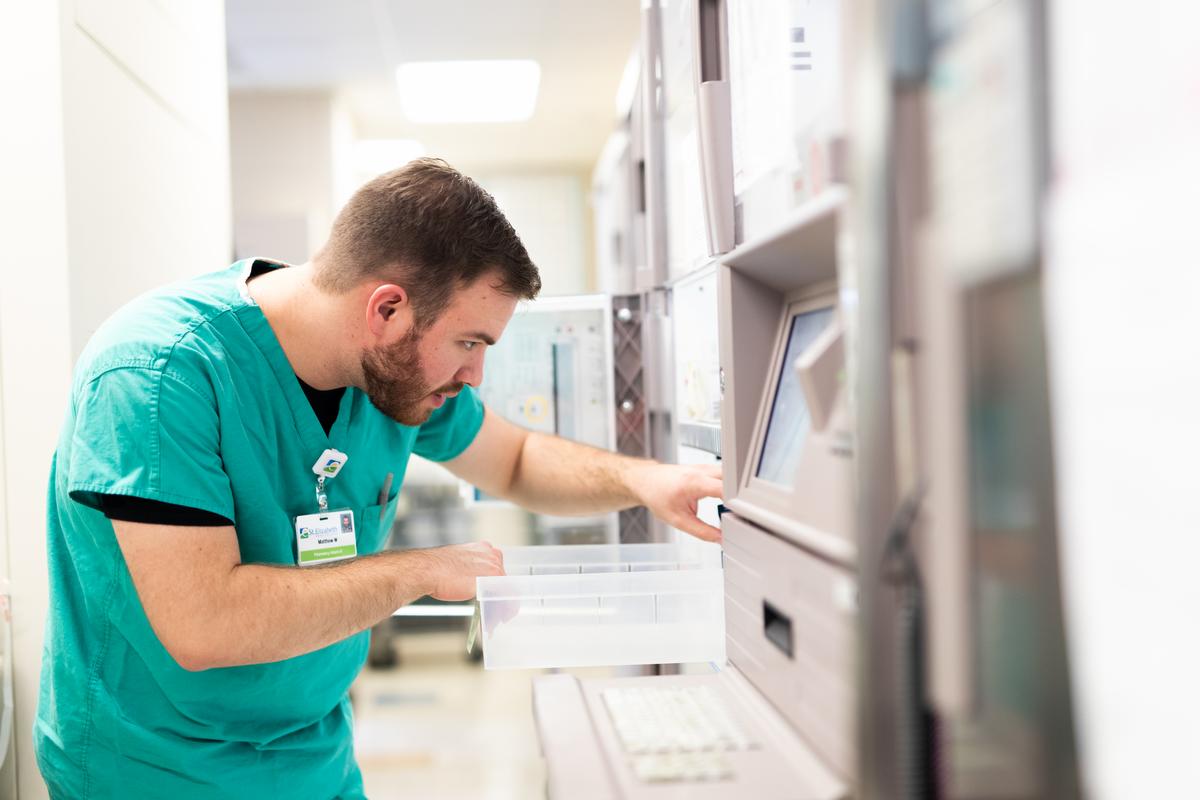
(35, 351)
(1123, 278)
(146, 149)
(551, 214)
(113, 179)
(282, 155)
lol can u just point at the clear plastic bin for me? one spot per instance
(584, 559)
(603, 605)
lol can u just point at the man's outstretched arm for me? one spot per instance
(552, 475)
(210, 610)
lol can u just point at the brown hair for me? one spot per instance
(429, 228)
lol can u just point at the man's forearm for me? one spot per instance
(270, 613)
(554, 476)
(557, 476)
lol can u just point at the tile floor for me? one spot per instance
(438, 727)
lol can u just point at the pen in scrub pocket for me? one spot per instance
(383, 495)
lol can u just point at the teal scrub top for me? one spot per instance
(185, 396)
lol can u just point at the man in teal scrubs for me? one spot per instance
(225, 478)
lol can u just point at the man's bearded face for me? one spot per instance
(396, 382)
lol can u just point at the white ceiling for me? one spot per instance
(352, 47)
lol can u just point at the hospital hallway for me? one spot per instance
(599, 399)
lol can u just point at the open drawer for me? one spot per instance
(603, 605)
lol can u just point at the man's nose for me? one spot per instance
(471, 372)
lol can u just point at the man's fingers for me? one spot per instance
(710, 487)
(492, 558)
(698, 528)
(711, 470)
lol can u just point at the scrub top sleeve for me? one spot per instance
(451, 428)
(144, 433)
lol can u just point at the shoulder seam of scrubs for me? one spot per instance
(207, 319)
(98, 372)
(183, 380)
(161, 370)
(161, 360)
(170, 354)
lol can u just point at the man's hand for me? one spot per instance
(454, 568)
(673, 493)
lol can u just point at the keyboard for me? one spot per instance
(677, 733)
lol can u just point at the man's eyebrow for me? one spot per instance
(483, 337)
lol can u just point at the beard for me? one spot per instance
(396, 383)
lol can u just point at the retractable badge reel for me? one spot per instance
(327, 535)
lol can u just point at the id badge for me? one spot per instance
(325, 537)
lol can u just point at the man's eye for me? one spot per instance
(469, 345)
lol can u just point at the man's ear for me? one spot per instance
(389, 311)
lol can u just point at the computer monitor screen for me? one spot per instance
(789, 423)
